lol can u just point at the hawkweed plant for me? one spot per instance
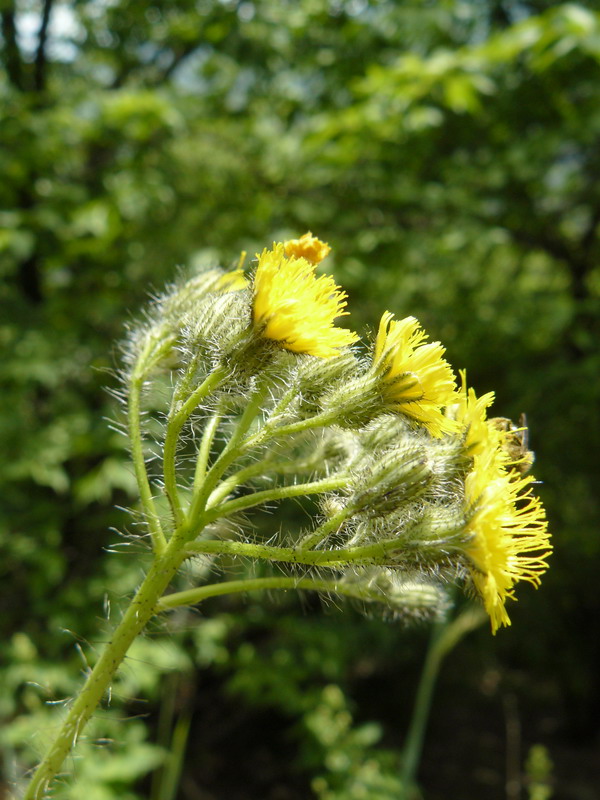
(264, 398)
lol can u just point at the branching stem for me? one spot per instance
(268, 466)
(178, 416)
(231, 452)
(270, 431)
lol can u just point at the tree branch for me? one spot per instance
(184, 53)
(13, 60)
(39, 73)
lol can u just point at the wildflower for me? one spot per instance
(414, 378)
(308, 247)
(497, 436)
(294, 307)
(470, 412)
(507, 524)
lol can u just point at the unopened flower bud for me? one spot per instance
(185, 298)
(313, 376)
(400, 474)
(185, 308)
(149, 348)
(355, 402)
(219, 320)
(401, 593)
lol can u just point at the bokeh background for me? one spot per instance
(449, 151)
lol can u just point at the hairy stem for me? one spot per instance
(268, 466)
(289, 555)
(231, 452)
(270, 431)
(269, 495)
(193, 596)
(141, 609)
(178, 416)
(206, 442)
(139, 465)
(374, 553)
(314, 538)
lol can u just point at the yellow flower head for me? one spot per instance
(498, 437)
(415, 379)
(509, 537)
(308, 247)
(470, 412)
(294, 307)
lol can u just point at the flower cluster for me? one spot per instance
(252, 396)
(419, 483)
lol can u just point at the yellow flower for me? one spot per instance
(470, 412)
(293, 307)
(308, 247)
(509, 537)
(505, 442)
(415, 379)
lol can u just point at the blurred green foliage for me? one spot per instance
(449, 152)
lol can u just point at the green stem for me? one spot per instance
(208, 436)
(147, 602)
(164, 729)
(284, 402)
(260, 468)
(236, 479)
(176, 756)
(314, 538)
(187, 408)
(166, 781)
(183, 387)
(169, 471)
(139, 464)
(269, 431)
(376, 553)
(231, 451)
(178, 416)
(142, 608)
(444, 636)
(268, 495)
(290, 555)
(193, 596)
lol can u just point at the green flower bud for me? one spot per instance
(183, 299)
(384, 431)
(403, 594)
(157, 344)
(355, 402)
(150, 348)
(314, 375)
(392, 478)
(218, 322)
